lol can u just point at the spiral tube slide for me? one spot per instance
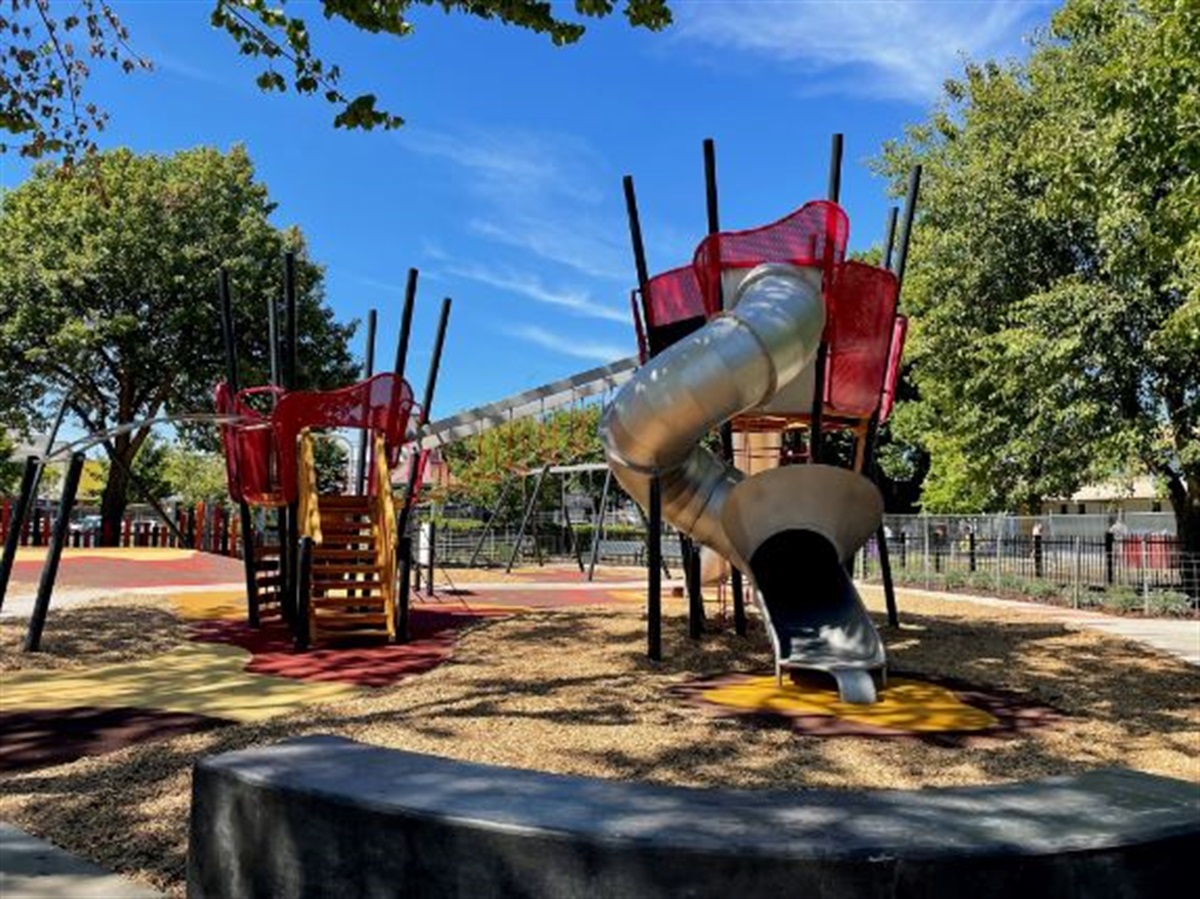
(792, 528)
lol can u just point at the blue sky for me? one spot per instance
(504, 187)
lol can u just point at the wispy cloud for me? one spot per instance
(581, 245)
(885, 49)
(550, 195)
(531, 286)
(569, 346)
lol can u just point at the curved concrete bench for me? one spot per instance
(328, 817)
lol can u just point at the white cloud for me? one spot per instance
(569, 346)
(531, 286)
(581, 245)
(550, 195)
(887, 49)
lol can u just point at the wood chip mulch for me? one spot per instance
(571, 691)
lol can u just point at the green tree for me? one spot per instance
(107, 292)
(151, 468)
(331, 460)
(194, 476)
(10, 468)
(43, 72)
(1054, 283)
(480, 465)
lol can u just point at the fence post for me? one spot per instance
(1109, 540)
(999, 555)
(1039, 566)
(1078, 572)
(971, 550)
(1145, 577)
(925, 549)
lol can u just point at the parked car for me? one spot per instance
(87, 524)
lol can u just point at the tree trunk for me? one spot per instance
(115, 497)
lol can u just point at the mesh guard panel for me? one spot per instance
(251, 455)
(861, 305)
(381, 404)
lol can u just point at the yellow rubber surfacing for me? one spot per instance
(201, 678)
(205, 605)
(904, 705)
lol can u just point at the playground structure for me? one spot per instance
(337, 567)
(769, 332)
(331, 569)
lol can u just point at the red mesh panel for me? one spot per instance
(815, 234)
(676, 296)
(380, 404)
(861, 308)
(251, 457)
(899, 331)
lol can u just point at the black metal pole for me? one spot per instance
(598, 529)
(292, 325)
(654, 533)
(58, 539)
(300, 627)
(654, 598)
(885, 574)
(56, 425)
(423, 418)
(691, 563)
(835, 168)
(889, 238)
(712, 207)
(910, 209)
(410, 299)
(273, 339)
(404, 560)
(404, 544)
(16, 522)
(711, 204)
(249, 563)
(229, 336)
(635, 236)
(368, 370)
(569, 530)
(816, 437)
(529, 507)
(289, 524)
(487, 526)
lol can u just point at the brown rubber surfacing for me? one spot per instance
(40, 739)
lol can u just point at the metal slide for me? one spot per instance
(791, 529)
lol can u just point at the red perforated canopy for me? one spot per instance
(815, 234)
(380, 404)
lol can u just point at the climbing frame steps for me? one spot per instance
(349, 593)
